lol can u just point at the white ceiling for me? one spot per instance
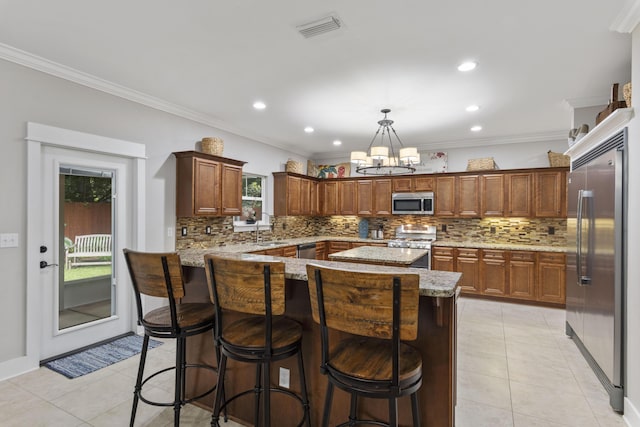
(212, 59)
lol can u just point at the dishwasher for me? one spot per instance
(307, 251)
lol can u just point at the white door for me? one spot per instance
(85, 295)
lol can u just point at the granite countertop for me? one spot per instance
(251, 247)
(404, 256)
(503, 246)
(432, 283)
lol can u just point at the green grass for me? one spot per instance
(86, 272)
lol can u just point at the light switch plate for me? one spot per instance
(9, 240)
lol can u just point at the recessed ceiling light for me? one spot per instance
(259, 105)
(472, 108)
(308, 129)
(337, 142)
(467, 66)
(476, 128)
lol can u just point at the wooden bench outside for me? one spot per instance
(90, 249)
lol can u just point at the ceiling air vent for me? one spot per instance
(321, 26)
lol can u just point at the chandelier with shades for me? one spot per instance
(383, 158)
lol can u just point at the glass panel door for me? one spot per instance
(86, 226)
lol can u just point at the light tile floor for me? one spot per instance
(516, 368)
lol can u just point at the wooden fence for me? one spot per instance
(86, 218)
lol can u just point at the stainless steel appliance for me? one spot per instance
(415, 237)
(412, 203)
(307, 251)
(595, 271)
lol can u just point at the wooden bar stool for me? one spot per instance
(378, 310)
(261, 335)
(160, 275)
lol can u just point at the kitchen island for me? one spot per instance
(399, 257)
(436, 342)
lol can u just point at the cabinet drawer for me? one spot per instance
(442, 251)
(523, 256)
(340, 246)
(551, 257)
(491, 254)
(468, 253)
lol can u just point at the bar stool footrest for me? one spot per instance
(184, 401)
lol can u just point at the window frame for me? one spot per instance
(263, 224)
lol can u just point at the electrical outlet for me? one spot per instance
(552, 230)
(492, 230)
(207, 229)
(346, 226)
(169, 231)
(284, 377)
(9, 240)
(183, 232)
(444, 228)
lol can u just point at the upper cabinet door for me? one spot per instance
(382, 196)
(468, 196)
(206, 194)
(445, 196)
(231, 190)
(551, 194)
(493, 191)
(347, 197)
(365, 197)
(519, 194)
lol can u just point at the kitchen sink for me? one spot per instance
(276, 243)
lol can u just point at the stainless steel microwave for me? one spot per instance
(412, 203)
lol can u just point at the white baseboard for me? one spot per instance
(18, 366)
(631, 414)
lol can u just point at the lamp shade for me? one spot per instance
(358, 157)
(409, 154)
(379, 152)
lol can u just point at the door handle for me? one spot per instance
(45, 264)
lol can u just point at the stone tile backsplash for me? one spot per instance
(522, 231)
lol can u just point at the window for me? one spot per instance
(253, 201)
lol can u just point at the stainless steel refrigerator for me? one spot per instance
(595, 271)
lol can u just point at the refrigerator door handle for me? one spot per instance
(583, 280)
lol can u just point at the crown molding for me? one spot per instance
(38, 63)
(590, 101)
(628, 18)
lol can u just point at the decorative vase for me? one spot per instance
(363, 228)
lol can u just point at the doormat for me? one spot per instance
(92, 359)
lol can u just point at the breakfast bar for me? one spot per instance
(436, 342)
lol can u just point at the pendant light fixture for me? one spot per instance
(383, 158)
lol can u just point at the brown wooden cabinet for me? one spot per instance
(551, 277)
(337, 246)
(294, 194)
(321, 250)
(492, 191)
(519, 194)
(493, 271)
(329, 197)
(522, 275)
(364, 189)
(442, 259)
(382, 196)
(207, 185)
(550, 194)
(445, 196)
(467, 262)
(468, 196)
(457, 196)
(408, 184)
(347, 197)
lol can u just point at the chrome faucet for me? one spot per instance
(258, 226)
